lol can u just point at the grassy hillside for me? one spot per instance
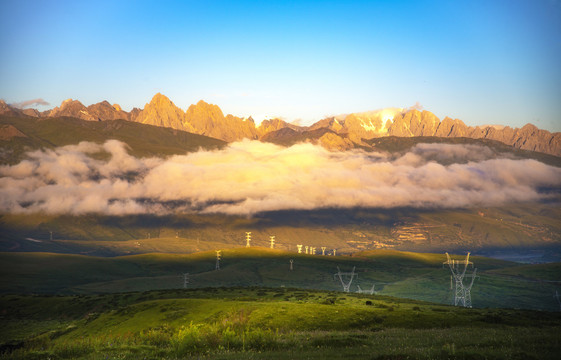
(261, 323)
(514, 229)
(406, 275)
(144, 140)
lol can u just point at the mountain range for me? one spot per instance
(356, 130)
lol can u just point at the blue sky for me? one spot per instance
(482, 61)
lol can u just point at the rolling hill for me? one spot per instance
(419, 276)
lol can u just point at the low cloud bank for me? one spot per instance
(249, 177)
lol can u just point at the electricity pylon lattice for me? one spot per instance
(348, 276)
(272, 242)
(558, 300)
(218, 257)
(291, 264)
(370, 292)
(334, 252)
(185, 280)
(307, 249)
(323, 250)
(248, 239)
(467, 289)
(458, 274)
(299, 249)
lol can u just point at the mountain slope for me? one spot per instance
(144, 140)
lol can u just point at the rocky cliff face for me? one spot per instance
(529, 137)
(208, 119)
(268, 126)
(105, 111)
(161, 111)
(72, 108)
(7, 110)
(202, 118)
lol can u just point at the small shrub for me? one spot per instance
(368, 302)
(157, 337)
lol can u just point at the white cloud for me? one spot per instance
(249, 177)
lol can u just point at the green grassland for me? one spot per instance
(266, 323)
(402, 274)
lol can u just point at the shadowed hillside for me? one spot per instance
(418, 276)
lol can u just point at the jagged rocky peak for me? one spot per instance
(160, 100)
(72, 108)
(343, 131)
(161, 111)
(203, 110)
(208, 119)
(105, 111)
(7, 110)
(270, 125)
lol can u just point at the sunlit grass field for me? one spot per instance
(265, 323)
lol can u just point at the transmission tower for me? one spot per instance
(299, 249)
(467, 289)
(349, 276)
(218, 259)
(185, 280)
(458, 273)
(291, 264)
(272, 242)
(312, 250)
(370, 292)
(51, 237)
(558, 300)
(248, 239)
(323, 250)
(307, 249)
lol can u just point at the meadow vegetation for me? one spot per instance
(266, 323)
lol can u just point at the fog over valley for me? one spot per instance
(250, 177)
